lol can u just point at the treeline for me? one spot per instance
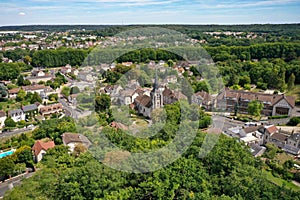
(280, 29)
(275, 73)
(61, 57)
(58, 58)
(9, 71)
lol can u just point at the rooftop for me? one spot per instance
(39, 145)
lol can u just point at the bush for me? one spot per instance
(294, 121)
(278, 117)
(9, 122)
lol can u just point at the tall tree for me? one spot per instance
(255, 108)
(21, 95)
(291, 81)
(36, 98)
(102, 103)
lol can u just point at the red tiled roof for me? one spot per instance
(14, 90)
(272, 129)
(51, 107)
(39, 145)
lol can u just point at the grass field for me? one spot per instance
(279, 181)
(295, 92)
(283, 157)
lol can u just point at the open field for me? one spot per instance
(279, 181)
(295, 92)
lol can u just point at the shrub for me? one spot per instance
(294, 121)
(278, 117)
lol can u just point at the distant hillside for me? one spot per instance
(278, 28)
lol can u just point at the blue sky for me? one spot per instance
(20, 12)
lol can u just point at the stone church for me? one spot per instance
(159, 96)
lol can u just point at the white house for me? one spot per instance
(127, 97)
(73, 139)
(17, 115)
(40, 149)
(2, 118)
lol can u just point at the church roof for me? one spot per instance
(144, 101)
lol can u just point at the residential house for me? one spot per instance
(112, 89)
(35, 88)
(17, 115)
(39, 76)
(251, 135)
(40, 149)
(73, 139)
(203, 99)
(30, 111)
(38, 73)
(171, 79)
(66, 70)
(127, 97)
(12, 93)
(143, 105)
(170, 96)
(51, 109)
(273, 104)
(257, 150)
(273, 135)
(293, 144)
(2, 118)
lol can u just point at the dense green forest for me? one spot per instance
(228, 172)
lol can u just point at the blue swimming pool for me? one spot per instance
(7, 153)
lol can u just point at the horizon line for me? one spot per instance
(153, 24)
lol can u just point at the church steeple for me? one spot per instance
(156, 94)
(155, 84)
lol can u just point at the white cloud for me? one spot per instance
(22, 14)
(245, 4)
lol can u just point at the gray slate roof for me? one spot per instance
(29, 108)
(13, 112)
(295, 136)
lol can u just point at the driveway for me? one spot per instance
(16, 132)
(13, 182)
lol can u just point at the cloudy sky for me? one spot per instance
(19, 12)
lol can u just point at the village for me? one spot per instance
(138, 92)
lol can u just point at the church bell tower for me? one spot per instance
(156, 94)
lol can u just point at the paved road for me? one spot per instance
(16, 132)
(225, 123)
(12, 182)
(67, 107)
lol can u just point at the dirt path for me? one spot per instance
(296, 183)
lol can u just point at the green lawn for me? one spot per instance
(283, 157)
(9, 106)
(279, 181)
